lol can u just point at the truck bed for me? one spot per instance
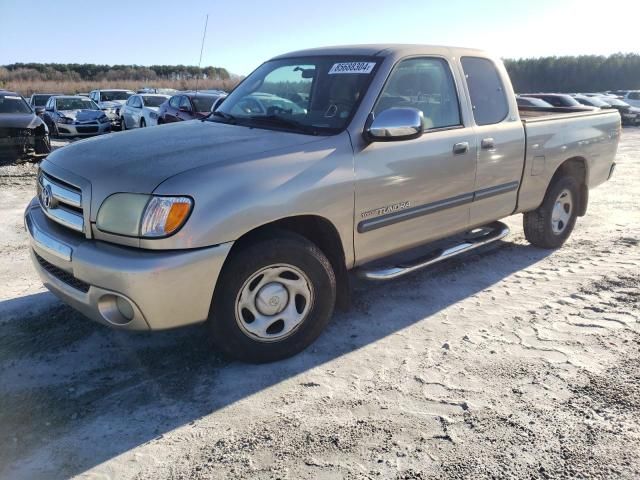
(554, 135)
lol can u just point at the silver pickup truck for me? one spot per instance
(378, 159)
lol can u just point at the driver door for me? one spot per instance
(412, 191)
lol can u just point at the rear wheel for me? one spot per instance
(274, 298)
(551, 223)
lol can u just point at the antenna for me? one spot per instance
(206, 22)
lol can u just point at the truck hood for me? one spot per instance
(19, 120)
(137, 161)
(82, 115)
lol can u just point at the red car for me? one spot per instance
(186, 106)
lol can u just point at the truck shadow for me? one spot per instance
(74, 394)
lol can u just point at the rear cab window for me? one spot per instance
(487, 92)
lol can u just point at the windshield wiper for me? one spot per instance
(284, 122)
(227, 116)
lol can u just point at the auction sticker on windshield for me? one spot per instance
(352, 67)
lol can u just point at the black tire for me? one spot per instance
(538, 225)
(143, 123)
(285, 248)
(123, 125)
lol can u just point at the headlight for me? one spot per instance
(147, 216)
(153, 115)
(103, 119)
(65, 120)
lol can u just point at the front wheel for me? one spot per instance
(273, 298)
(550, 225)
(143, 123)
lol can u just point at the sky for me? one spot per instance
(243, 34)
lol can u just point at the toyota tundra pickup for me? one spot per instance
(377, 159)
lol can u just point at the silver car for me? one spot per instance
(141, 110)
(74, 116)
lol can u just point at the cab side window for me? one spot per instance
(427, 85)
(174, 101)
(185, 103)
(488, 96)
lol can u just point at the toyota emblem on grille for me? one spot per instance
(47, 197)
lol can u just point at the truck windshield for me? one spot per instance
(13, 104)
(111, 95)
(313, 95)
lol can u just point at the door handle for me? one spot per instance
(488, 143)
(460, 148)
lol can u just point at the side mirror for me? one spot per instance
(39, 110)
(184, 109)
(395, 124)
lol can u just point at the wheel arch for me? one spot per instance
(578, 168)
(318, 230)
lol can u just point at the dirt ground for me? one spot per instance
(515, 362)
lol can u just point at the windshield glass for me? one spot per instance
(316, 95)
(75, 104)
(594, 102)
(13, 104)
(616, 102)
(203, 103)
(40, 100)
(110, 95)
(153, 100)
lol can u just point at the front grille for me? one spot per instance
(16, 132)
(61, 202)
(63, 276)
(90, 129)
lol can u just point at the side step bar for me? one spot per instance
(476, 238)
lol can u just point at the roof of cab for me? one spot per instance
(373, 50)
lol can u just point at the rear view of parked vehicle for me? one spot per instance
(632, 97)
(141, 110)
(39, 100)
(187, 106)
(561, 100)
(630, 115)
(75, 116)
(22, 132)
(594, 102)
(532, 102)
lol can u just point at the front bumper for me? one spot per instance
(124, 287)
(81, 130)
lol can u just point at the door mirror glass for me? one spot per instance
(396, 124)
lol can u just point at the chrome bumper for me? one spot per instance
(124, 287)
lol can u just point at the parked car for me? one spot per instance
(75, 116)
(630, 115)
(632, 97)
(186, 106)
(532, 102)
(141, 110)
(596, 102)
(39, 100)
(266, 104)
(110, 101)
(251, 222)
(556, 99)
(22, 132)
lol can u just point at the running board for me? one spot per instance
(478, 237)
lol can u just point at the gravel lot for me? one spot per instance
(515, 362)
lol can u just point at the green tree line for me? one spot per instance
(93, 72)
(585, 73)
